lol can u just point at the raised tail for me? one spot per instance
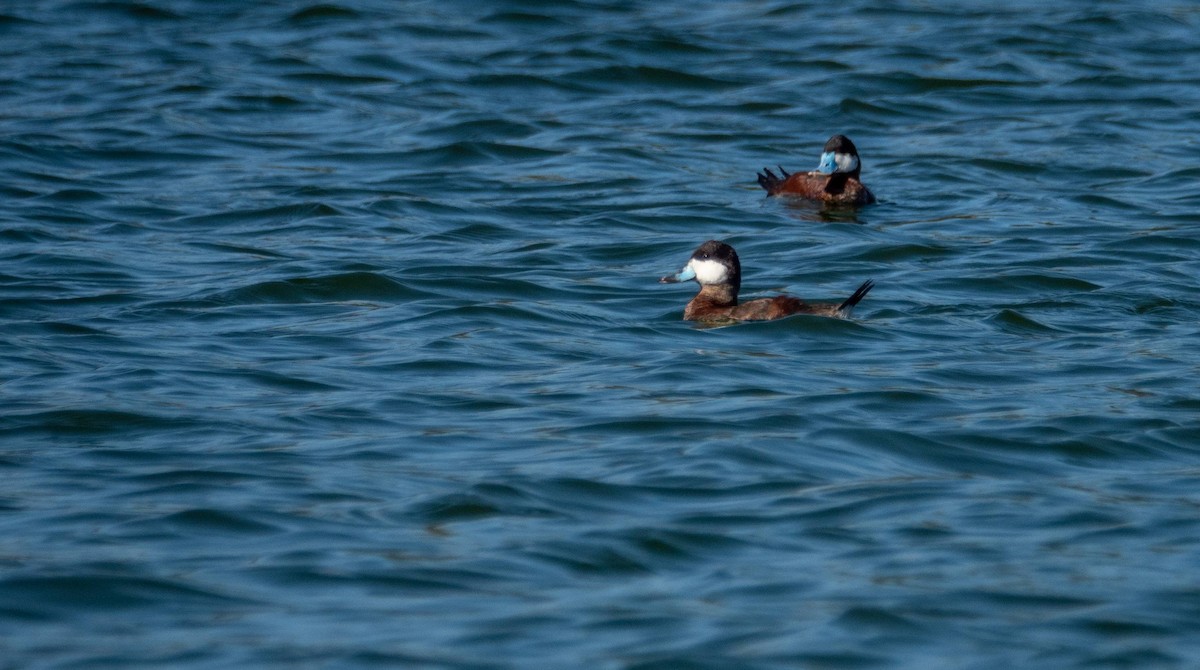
(845, 308)
(770, 182)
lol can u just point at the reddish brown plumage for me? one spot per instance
(709, 308)
(833, 189)
(838, 184)
(717, 301)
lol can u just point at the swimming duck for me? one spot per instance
(835, 181)
(715, 266)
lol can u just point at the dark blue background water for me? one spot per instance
(331, 336)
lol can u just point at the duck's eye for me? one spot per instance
(703, 257)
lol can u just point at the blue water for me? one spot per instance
(330, 336)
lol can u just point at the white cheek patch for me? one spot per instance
(708, 271)
(846, 162)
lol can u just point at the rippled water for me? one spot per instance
(332, 337)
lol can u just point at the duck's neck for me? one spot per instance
(722, 295)
(837, 182)
(712, 297)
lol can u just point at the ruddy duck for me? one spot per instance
(716, 268)
(835, 181)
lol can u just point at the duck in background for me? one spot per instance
(834, 182)
(715, 266)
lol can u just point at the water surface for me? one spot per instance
(331, 336)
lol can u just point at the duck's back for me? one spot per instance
(830, 188)
(766, 309)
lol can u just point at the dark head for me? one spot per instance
(712, 264)
(840, 156)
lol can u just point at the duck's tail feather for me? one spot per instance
(769, 181)
(845, 308)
